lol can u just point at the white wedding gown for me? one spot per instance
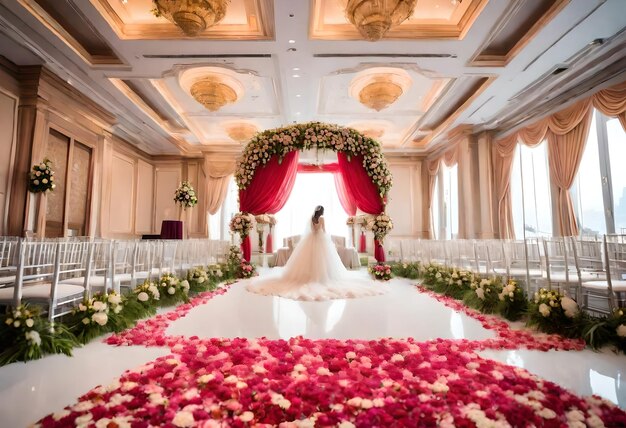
(315, 272)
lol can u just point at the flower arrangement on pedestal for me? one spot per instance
(381, 272)
(41, 177)
(261, 221)
(241, 223)
(380, 225)
(172, 289)
(185, 196)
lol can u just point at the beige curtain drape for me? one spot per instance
(502, 154)
(219, 173)
(567, 138)
(612, 102)
(431, 169)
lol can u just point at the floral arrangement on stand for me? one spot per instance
(484, 294)
(234, 258)
(279, 142)
(198, 279)
(41, 177)
(172, 290)
(146, 297)
(25, 336)
(241, 223)
(381, 272)
(609, 330)
(380, 225)
(185, 195)
(261, 221)
(513, 301)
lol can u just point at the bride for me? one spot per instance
(315, 272)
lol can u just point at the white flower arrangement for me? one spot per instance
(185, 195)
(41, 177)
(381, 226)
(241, 223)
(265, 219)
(279, 142)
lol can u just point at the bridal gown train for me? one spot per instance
(315, 272)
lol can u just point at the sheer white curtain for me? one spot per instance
(309, 191)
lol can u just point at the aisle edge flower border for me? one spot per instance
(304, 136)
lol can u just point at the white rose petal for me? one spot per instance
(184, 419)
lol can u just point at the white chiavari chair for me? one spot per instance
(8, 260)
(98, 278)
(41, 267)
(604, 295)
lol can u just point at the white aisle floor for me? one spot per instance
(32, 390)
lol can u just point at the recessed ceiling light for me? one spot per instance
(295, 75)
(297, 112)
(298, 95)
(296, 69)
(292, 41)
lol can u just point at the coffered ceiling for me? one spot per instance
(464, 64)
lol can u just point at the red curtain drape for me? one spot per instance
(269, 248)
(360, 185)
(271, 186)
(364, 192)
(345, 197)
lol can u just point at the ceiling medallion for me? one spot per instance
(212, 93)
(373, 18)
(379, 87)
(241, 131)
(192, 16)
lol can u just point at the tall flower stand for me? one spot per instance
(268, 242)
(259, 229)
(184, 215)
(362, 243)
(246, 248)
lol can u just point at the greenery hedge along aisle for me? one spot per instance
(549, 311)
(26, 335)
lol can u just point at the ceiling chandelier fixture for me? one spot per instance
(379, 87)
(380, 93)
(373, 18)
(212, 93)
(241, 131)
(192, 16)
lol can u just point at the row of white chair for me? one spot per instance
(56, 273)
(591, 271)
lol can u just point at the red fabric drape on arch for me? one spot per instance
(345, 197)
(364, 191)
(269, 190)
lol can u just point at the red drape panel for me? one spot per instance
(379, 251)
(364, 192)
(360, 185)
(362, 243)
(271, 186)
(345, 197)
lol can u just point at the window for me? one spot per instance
(220, 221)
(616, 137)
(445, 206)
(599, 192)
(587, 190)
(309, 191)
(530, 192)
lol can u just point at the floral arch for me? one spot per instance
(267, 171)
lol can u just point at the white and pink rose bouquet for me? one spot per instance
(241, 223)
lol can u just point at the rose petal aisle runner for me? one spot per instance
(301, 382)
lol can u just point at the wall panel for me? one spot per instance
(400, 205)
(8, 105)
(167, 180)
(145, 198)
(121, 210)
